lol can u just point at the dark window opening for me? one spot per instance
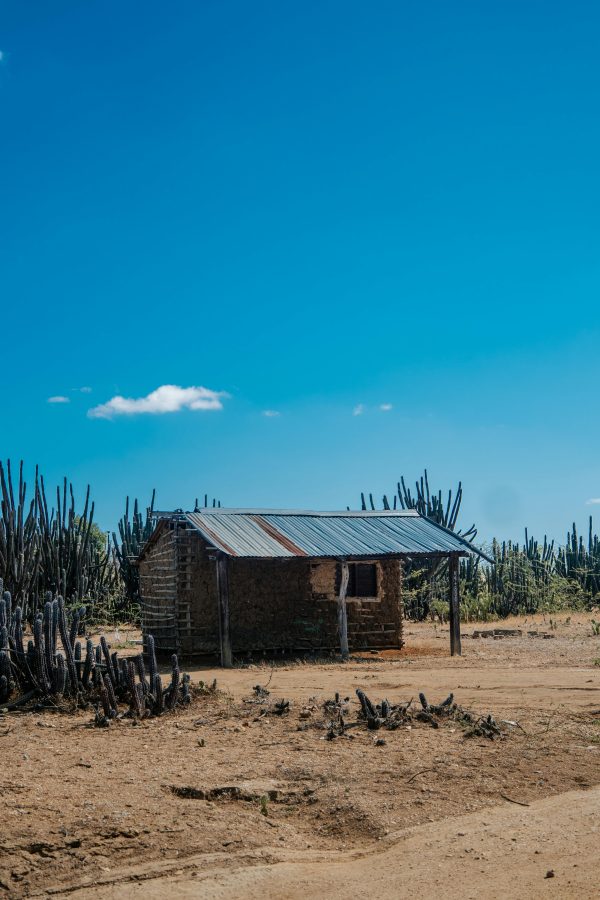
(362, 580)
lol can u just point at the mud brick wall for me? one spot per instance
(272, 607)
(373, 622)
(288, 605)
(392, 609)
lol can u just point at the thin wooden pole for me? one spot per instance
(223, 592)
(400, 612)
(453, 571)
(342, 611)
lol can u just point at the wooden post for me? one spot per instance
(223, 592)
(453, 570)
(342, 611)
(400, 612)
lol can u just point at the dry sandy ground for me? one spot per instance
(93, 812)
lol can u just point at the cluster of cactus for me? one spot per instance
(424, 582)
(56, 549)
(41, 673)
(528, 577)
(134, 531)
(144, 696)
(521, 579)
(524, 578)
(536, 575)
(430, 504)
(580, 562)
(38, 669)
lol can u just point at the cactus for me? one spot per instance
(186, 696)
(67, 646)
(74, 630)
(136, 706)
(107, 660)
(47, 628)
(123, 675)
(39, 674)
(110, 693)
(39, 659)
(422, 580)
(153, 668)
(157, 693)
(104, 699)
(78, 661)
(50, 549)
(171, 694)
(133, 535)
(5, 664)
(59, 676)
(139, 664)
(88, 665)
(18, 632)
(115, 669)
(140, 699)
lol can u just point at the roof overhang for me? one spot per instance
(315, 534)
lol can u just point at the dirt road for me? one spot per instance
(508, 851)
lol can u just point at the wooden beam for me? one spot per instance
(223, 593)
(342, 611)
(453, 571)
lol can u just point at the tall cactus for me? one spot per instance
(430, 504)
(133, 533)
(44, 548)
(426, 580)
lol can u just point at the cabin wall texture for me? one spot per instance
(286, 604)
(158, 590)
(271, 607)
(373, 622)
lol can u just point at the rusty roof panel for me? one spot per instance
(238, 535)
(270, 534)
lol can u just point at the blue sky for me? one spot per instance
(315, 209)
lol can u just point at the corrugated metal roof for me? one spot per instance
(287, 533)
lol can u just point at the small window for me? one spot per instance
(362, 580)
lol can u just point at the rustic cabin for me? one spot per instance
(239, 582)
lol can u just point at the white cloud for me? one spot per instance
(58, 398)
(593, 501)
(83, 390)
(358, 409)
(385, 407)
(271, 413)
(167, 398)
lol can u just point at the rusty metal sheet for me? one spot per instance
(271, 534)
